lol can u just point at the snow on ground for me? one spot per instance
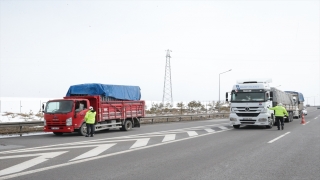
(16, 117)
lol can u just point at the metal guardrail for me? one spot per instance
(21, 124)
(17, 124)
(145, 120)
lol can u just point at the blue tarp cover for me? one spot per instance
(107, 90)
(300, 95)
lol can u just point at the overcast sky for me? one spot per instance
(46, 46)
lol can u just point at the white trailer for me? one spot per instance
(250, 102)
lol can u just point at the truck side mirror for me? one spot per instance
(227, 96)
(43, 107)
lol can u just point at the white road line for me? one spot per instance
(316, 118)
(56, 148)
(209, 130)
(278, 137)
(140, 143)
(27, 164)
(169, 137)
(94, 152)
(222, 127)
(192, 133)
(104, 139)
(99, 157)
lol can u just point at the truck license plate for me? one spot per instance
(247, 118)
(54, 128)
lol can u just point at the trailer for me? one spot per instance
(298, 100)
(250, 102)
(117, 107)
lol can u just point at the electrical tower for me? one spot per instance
(167, 88)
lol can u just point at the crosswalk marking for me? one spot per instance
(140, 143)
(222, 127)
(27, 164)
(94, 152)
(169, 137)
(192, 133)
(209, 130)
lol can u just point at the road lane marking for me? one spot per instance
(55, 148)
(316, 118)
(94, 152)
(27, 164)
(222, 127)
(169, 137)
(113, 138)
(209, 130)
(102, 156)
(192, 133)
(278, 137)
(140, 143)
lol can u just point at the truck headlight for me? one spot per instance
(44, 122)
(69, 122)
(233, 119)
(262, 119)
(264, 110)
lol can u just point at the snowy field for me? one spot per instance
(20, 109)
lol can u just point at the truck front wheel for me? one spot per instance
(270, 123)
(127, 125)
(236, 126)
(83, 130)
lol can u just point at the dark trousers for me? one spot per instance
(278, 120)
(90, 129)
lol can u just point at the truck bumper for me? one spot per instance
(260, 120)
(64, 129)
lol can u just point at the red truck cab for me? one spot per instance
(67, 115)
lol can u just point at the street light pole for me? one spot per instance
(219, 85)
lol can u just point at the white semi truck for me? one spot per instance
(250, 101)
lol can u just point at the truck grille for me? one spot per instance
(247, 114)
(55, 123)
(251, 109)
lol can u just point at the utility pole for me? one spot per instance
(167, 87)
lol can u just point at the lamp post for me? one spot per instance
(219, 86)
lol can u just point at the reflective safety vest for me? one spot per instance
(279, 111)
(90, 117)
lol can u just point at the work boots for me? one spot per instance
(282, 127)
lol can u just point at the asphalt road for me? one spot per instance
(203, 150)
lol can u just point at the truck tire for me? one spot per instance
(83, 130)
(286, 120)
(291, 116)
(127, 125)
(236, 126)
(271, 121)
(58, 133)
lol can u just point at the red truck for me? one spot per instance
(117, 107)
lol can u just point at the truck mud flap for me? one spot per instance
(136, 122)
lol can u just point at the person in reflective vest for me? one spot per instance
(279, 112)
(90, 119)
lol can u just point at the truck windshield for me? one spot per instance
(247, 96)
(59, 106)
